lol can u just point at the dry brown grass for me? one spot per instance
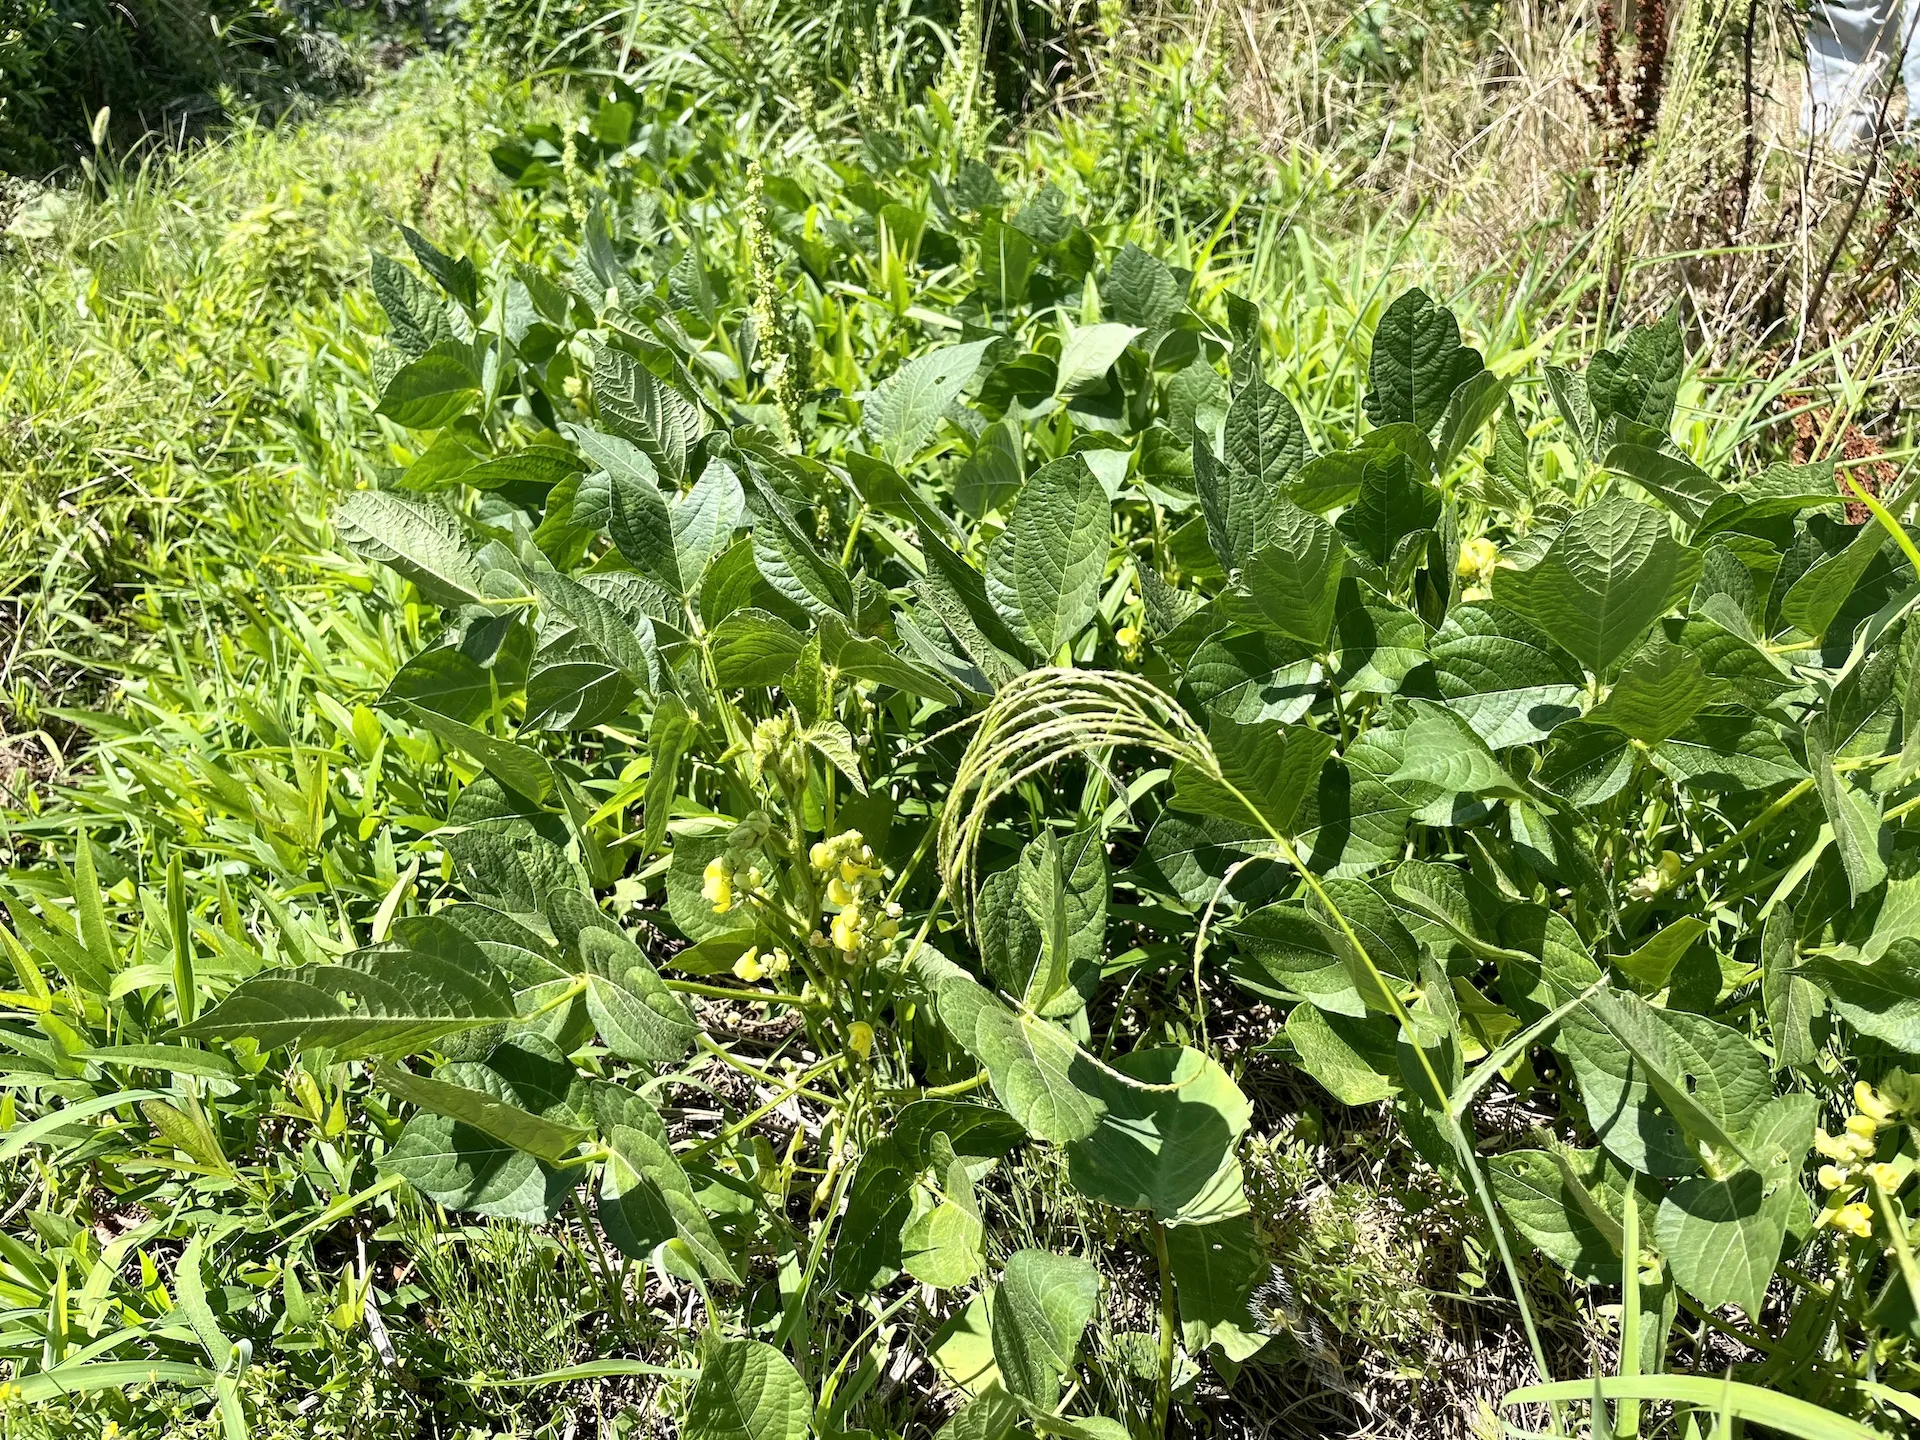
(1507, 148)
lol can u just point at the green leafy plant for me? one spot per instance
(867, 753)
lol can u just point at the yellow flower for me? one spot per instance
(1832, 1177)
(1856, 1219)
(1478, 557)
(716, 884)
(1886, 1175)
(846, 931)
(1865, 1126)
(749, 968)
(1834, 1147)
(820, 855)
(1870, 1103)
(860, 1038)
(838, 892)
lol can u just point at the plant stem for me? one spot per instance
(604, 1271)
(1169, 1318)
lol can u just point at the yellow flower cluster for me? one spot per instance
(1478, 558)
(1658, 879)
(723, 877)
(754, 966)
(854, 880)
(1849, 1154)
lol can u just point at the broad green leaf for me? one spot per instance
(1475, 401)
(669, 736)
(457, 277)
(520, 768)
(1355, 823)
(1661, 689)
(1442, 750)
(1166, 1142)
(1352, 1058)
(703, 522)
(535, 464)
(642, 528)
(1043, 923)
(1723, 1237)
(574, 687)
(390, 999)
(1791, 999)
(957, 593)
(635, 1013)
(1564, 1205)
(1044, 570)
(1710, 1078)
(752, 649)
(1417, 363)
(1726, 753)
(487, 1104)
(1040, 1308)
(190, 1300)
(1588, 764)
(1880, 998)
(416, 317)
(434, 388)
(1457, 899)
(786, 556)
(1264, 447)
(1813, 600)
(1503, 676)
(646, 1198)
(1651, 963)
(860, 658)
(443, 681)
(1089, 352)
(419, 539)
(990, 1414)
(1384, 942)
(1291, 584)
(1294, 951)
(463, 1168)
(903, 409)
(1215, 1270)
(1140, 289)
(747, 1391)
(1639, 382)
(1853, 814)
(639, 407)
(1266, 771)
(1681, 485)
(1375, 644)
(1620, 1103)
(621, 638)
(1609, 573)
(1250, 678)
(942, 1243)
(1035, 1068)
(1393, 503)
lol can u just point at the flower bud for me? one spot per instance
(1870, 1102)
(860, 1038)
